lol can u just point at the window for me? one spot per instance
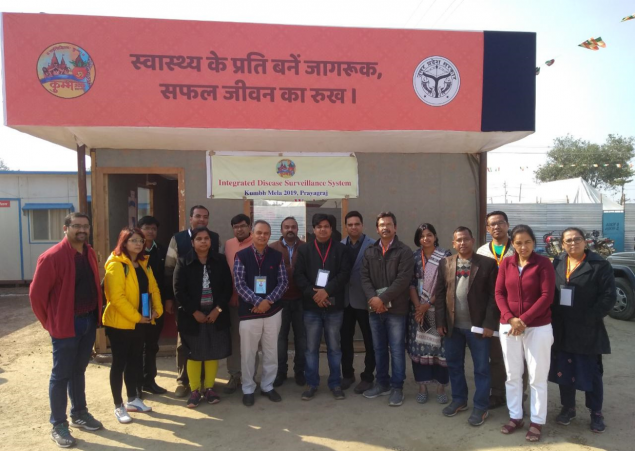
(46, 224)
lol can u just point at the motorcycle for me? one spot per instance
(605, 246)
(602, 245)
(552, 244)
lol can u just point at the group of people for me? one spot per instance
(525, 319)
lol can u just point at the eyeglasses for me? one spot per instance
(80, 226)
(322, 227)
(576, 240)
(463, 240)
(497, 224)
(149, 229)
(136, 241)
(240, 226)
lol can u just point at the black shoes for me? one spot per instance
(248, 400)
(496, 401)
(300, 379)
(272, 395)
(153, 387)
(347, 382)
(280, 378)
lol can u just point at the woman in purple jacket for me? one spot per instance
(524, 294)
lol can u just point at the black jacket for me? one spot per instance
(393, 271)
(580, 328)
(188, 289)
(338, 262)
(156, 261)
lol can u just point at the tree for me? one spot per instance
(3, 166)
(603, 166)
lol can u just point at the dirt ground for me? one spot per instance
(322, 424)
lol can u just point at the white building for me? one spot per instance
(32, 210)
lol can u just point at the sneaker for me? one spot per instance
(211, 396)
(181, 391)
(136, 405)
(232, 384)
(61, 435)
(376, 390)
(566, 415)
(195, 399)
(362, 387)
(454, 408)
(338, 393)
(396, 397)
(347, 382)
(280, 378)
(86, 421)
(478, 417)
(309, 393)
(122, 415)
(597, 422)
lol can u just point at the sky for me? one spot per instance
(587, 94)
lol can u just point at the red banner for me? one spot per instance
(104, 71)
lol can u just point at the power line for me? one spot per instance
(454, 10)
(446, 10)
(425, 13)
(413, 13)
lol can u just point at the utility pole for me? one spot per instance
(519, 192)
(505, 189)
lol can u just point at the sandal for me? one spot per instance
(512, 426)
(533, 436)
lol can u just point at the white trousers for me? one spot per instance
(534, 347)
(265, 332)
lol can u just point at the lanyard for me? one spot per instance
(423, 262)
(569, 270)
(504, 251)
(327, 252)
(259, 259)
(384, 249)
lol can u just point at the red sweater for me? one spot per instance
(529, 295)
(52, 291)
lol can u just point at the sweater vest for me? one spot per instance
(269, 269)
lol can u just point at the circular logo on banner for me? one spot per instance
(66, 70)
(285, 168)
(436, 81)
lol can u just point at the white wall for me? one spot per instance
(35, 188)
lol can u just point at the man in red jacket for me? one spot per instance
(66, 297)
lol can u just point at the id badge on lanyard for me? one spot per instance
(566, 295)
(260, 284)
(322, 278)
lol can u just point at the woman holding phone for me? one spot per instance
(133, 298)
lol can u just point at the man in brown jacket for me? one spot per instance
(466, 313)
(292, 312)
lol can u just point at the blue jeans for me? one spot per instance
(455, 357)
(389, 331)
(330, 322)
(70, 359)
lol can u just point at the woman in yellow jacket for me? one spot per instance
(128, 284)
